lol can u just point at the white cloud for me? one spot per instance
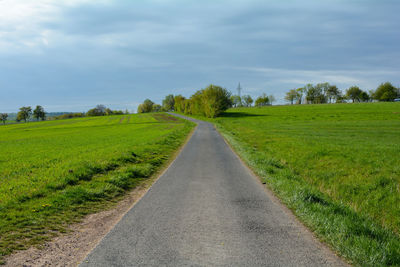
(121, 49)
(342, 77)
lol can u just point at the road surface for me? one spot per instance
(207, 209)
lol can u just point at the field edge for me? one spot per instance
(140, 185)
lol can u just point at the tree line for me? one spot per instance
(326, 93)
(26, 113)
(209, 102)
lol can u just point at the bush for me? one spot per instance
(69, 116)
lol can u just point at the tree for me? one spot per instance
(324, 89)
(108, 112)
(179, 105)
(271, 99)
(215, 100)
(146, 106)
(24, 113)
(3, 117)
(315, 93)
(168, 103)
(292, 95)
(194, 105)
(341, 99)
(247, 100)
(262, 101)
(364, 97)
(99, 110)
(39, 113)
(301, 92)
(354, 93)
(236, 101)
(156, 108)
(333, 93)
(386, 92)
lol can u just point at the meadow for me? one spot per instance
(336, 166)
(52, 173)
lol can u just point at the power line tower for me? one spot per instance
(239, 89)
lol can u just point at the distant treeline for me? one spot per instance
(210, 102)
(26, 114)
(326, 93)
(213, 100)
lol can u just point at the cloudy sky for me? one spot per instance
(71, 55)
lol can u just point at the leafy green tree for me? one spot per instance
(262, 100)
(99, 110)
(247, 100)
(333, 93)
(146, 106)
(386, 92)
(156, 108)
(292, 96)
(313, 94)
(168, 103)
(3, 117)
(215, 100)
(364, 97)
(354, 93)
(316, 94)
(194, 105)
(39, 113)
(179, 103)
(140, 109)
(108, 112)
(24, 113)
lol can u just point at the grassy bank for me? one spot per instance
(336, 166)
(52, 173)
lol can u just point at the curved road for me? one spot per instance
(207, 209)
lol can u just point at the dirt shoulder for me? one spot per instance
(71, 248)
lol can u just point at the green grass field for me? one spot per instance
(54, 172)
(337, 166)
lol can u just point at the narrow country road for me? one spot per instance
(209, 210)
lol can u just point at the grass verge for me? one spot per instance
(357, 238)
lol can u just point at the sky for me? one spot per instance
(72, 55)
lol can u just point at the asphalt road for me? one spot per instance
(207, 209)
